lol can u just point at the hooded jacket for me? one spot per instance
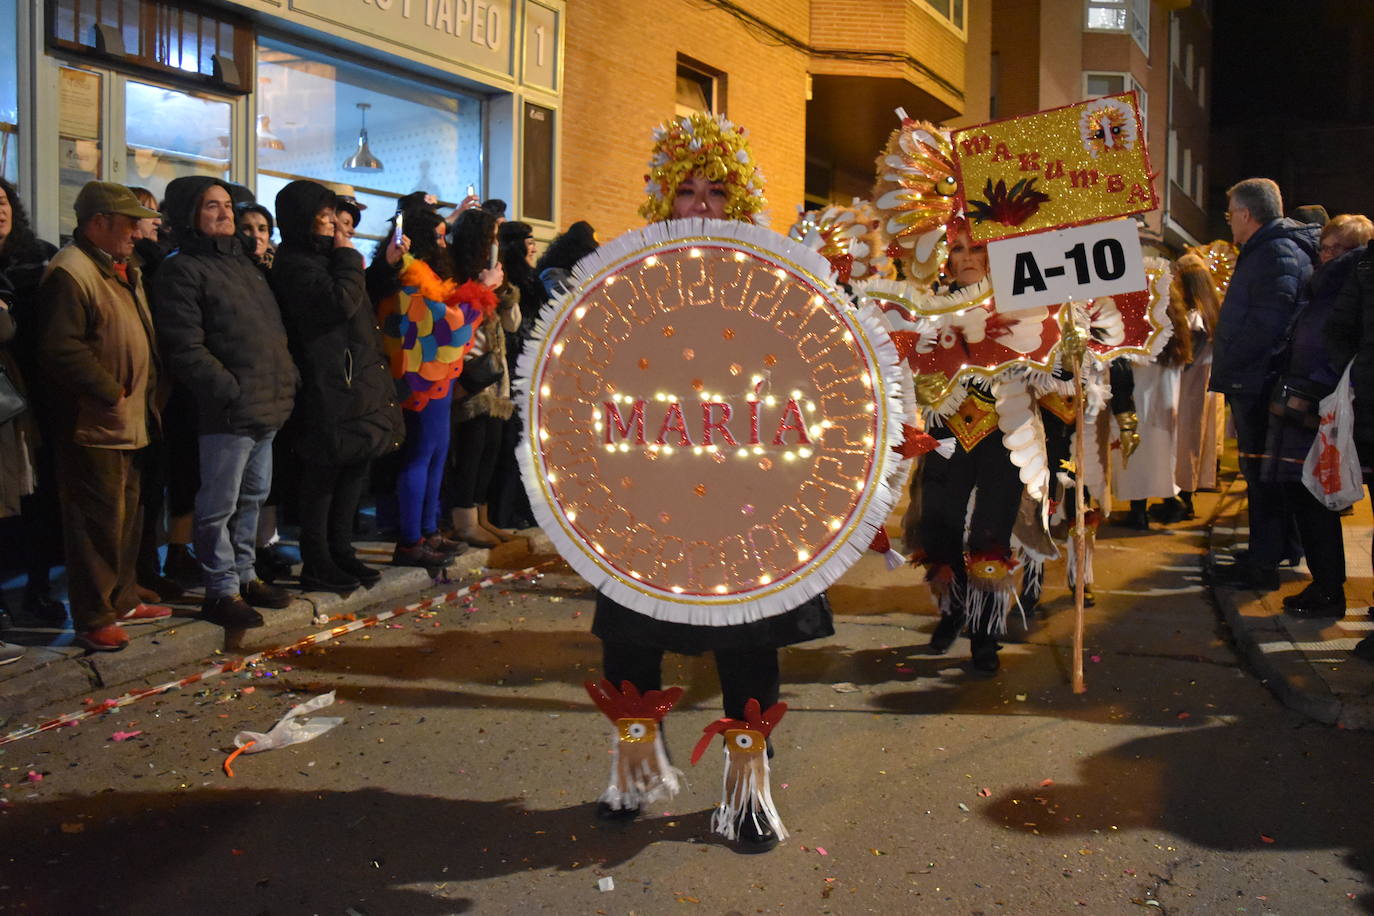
(219, 326)
(1273, 266)
(346, 411)
(1350, 335)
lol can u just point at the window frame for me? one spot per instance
(958, 28)
(1137, 20)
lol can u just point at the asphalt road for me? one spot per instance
(463, 777)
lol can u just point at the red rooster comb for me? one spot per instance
(755, 720)
(628, 703)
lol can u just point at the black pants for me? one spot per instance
(947, 484)
(41, 516)
(476, 445)
(1273, 532)
(101, 521)
(1319, 529)
(508, 503)
(329, 496)
(744, 674)
(181, 434)
(152, 497)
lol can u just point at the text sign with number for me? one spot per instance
(1068, 265)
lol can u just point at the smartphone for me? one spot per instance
(495, 255)
(396, 236)
(472, 190)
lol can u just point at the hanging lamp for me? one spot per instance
(362, 160)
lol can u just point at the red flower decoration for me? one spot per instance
(1011, 208)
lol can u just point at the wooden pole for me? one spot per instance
(1080, 534)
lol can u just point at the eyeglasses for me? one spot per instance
(1336, 248)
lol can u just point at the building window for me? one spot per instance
(169, 133)
(196, 47)
(698, 88)
(1100, 84)
(1131, 16)
(1202, 86)
(311, 111)
(1173, 156)
(951, 11)
(1186, 173)
(9, 90)
(1188, 66)
(1199, 192)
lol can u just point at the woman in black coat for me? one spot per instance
(346, 413)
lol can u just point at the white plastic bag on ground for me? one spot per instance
(292, 728)
(1332, 469)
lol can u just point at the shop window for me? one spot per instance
(80, 119)
(169, 133)
(9, 90)
(537, 163)
(698, 88)
(190, 46)
(310, 119)
(1131, 16)
(951, 11)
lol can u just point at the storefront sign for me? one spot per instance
(709, 423)
(1101, 259)
(78, 104)
(477, 33)
(1063, 167)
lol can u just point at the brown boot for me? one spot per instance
(502, 534)
(467, 528)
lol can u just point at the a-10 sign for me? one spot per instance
(1067, 265)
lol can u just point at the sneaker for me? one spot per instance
(110, 638)
(418, 555)
(1313, 603)
(230, 612)
(259, 594)
(328, 580)
(44, 607)
(351, 565)
(144, 613)
(9, 652)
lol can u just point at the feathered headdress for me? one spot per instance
(713, 146)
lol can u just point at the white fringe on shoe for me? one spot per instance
(640, 774)
(751, 796)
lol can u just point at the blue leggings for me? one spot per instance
(422, 469)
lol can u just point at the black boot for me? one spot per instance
(1186, 497)
(1137, 517)
(985, 661)
(350, 565)
(946, 631)
(755, 835)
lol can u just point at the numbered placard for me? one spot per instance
(1067, 265)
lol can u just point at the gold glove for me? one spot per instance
(930, 389)
(1074, 341)
(1128, 423)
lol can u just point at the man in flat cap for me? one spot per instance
(98, 354)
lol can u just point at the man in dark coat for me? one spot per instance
(222, 336)
(346, 414)
(1276, 259)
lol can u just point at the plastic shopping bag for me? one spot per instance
(1332, 469)
(292, 728)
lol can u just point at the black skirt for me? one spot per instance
(616, 623)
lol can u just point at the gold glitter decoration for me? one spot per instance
(683, 552)
(688, 353)
(708, 145)
(1086, 179)
(643, 363)
(915, 195)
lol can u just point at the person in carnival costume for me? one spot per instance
(701, 167)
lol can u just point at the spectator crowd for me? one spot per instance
(178, 386)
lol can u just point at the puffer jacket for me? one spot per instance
(1260, 304)
(219, 326)
(346, 410)
(1350, 335)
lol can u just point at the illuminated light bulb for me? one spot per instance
(764, 580)
(597, 547)
(610, 447)
(833, 524)
(758, 450)
(713, 448)
(796, 394)
(859, 485)
(803, 556)
(610, 281)
(667, 449)
(624, 446)
(572, 516)
(779, 273)
(598, 426)
(653, 446)
(868, 381)
(789, 456)
(816, 300)
(868, 440)
(558, 349)
(720, 589)
(579, 312)
(742, 453)
(848, 337)
(545, 391)
(810, 407)
(804, 452)
(771, 401)
(740, 256)
(696, 450)
(756, 379)
(650, 261)
(635, 575)
(826, 424)
(678, 589)
(553, 478)
(816, 431)
(543, 435)
(868, 408)
(960, 313)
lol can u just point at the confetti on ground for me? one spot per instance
(985, 792)
(821, 850)
(125, 736)
(606, 884)
(1046, 783)
(1265, 838)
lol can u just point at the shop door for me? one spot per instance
(137, 132)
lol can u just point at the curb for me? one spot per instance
(1275, 645)
(47, 675)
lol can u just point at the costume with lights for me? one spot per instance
(633, 643)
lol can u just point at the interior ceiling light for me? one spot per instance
(362, 160)
(267, 139)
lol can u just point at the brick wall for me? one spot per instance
(620, 81)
